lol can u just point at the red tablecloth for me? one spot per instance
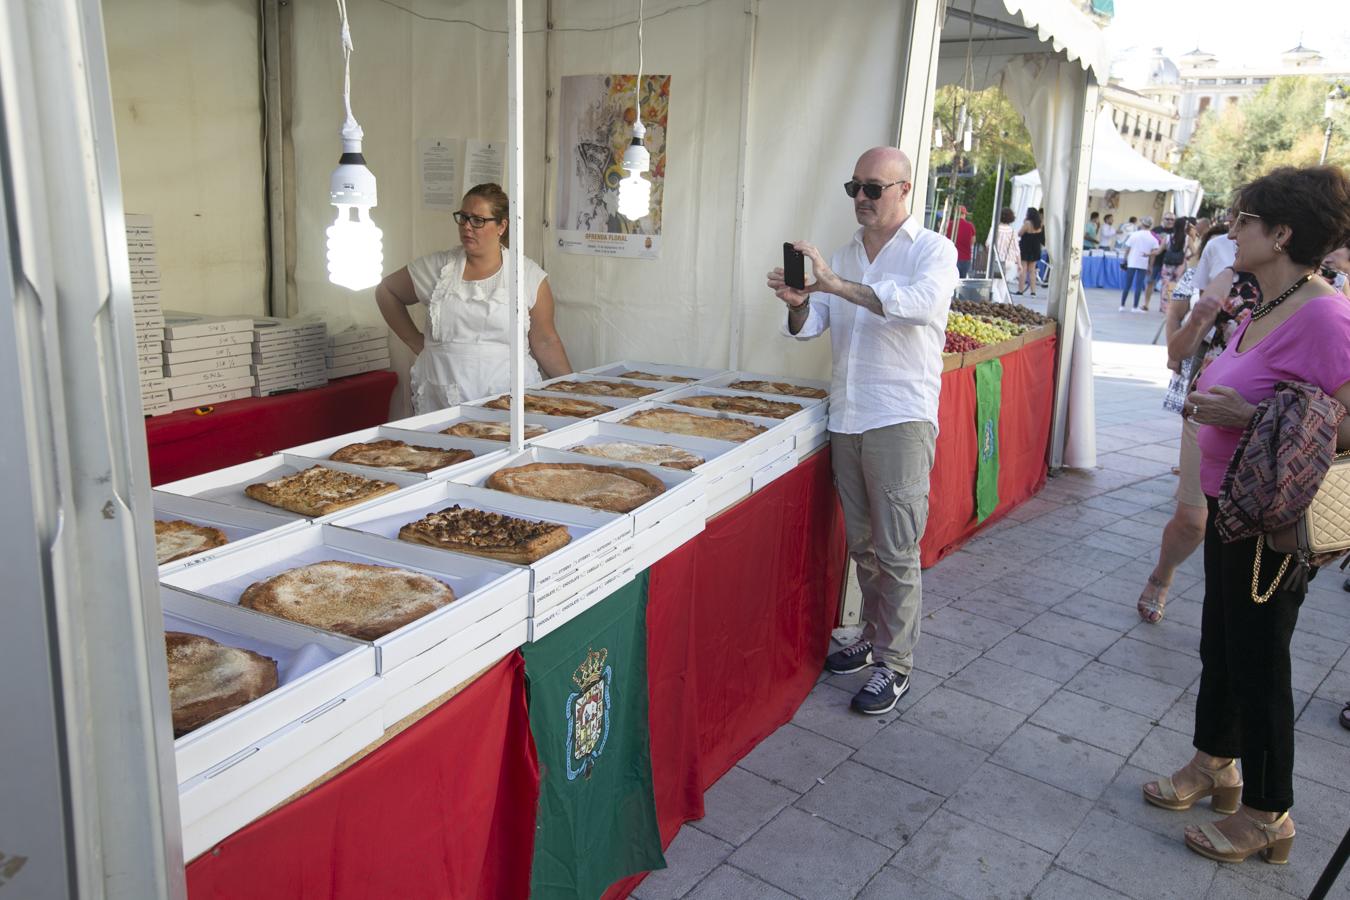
(738, 625)
(1024, 438)
(184, 443)
(444, 810)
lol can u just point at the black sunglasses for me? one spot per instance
(871, 191)
(476, 221)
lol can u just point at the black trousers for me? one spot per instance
(1246, 705)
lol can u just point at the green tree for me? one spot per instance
(1281, 125)
(997, 129)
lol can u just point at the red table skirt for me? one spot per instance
(1024, 438)
(444, 810)
(184, 444)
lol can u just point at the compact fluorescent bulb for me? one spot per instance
(635, 192)
(355, 244)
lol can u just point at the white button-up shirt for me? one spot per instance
(887, 368)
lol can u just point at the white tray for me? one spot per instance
(725, 379)
(616, 369)
(595, 533)
(611, 402)
(227, 485)
(214, 805)
(774, 470)
(314, 669)
(319, 451)
(434, 422)
(558, 616)
(481, 587)
(650, 546)
(658, 387)
(682, 488)
(718, 456)
(810, 409)
(412, 686)
(242, 526)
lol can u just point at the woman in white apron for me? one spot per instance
(466, 352)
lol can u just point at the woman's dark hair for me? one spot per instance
(1178, 241)
(1007, 217)
(497, 199)
(1034, 217)
(1094, 215)
(1314, 202)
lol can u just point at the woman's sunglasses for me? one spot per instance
(870, 191)
(476, 221)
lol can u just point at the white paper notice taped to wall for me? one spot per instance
(440, 164)
(485, 162)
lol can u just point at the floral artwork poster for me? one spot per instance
(596, 115)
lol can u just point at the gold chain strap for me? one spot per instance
(1257, 596)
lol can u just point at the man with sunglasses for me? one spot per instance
(884, 297)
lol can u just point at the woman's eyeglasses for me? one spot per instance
(871, 191)
(462, 218)
(1238, 219)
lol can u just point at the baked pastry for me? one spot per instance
(390, 454)
(208, 679)
(553, 406)
(749, 406)
(600, 388)
(318, 491)
(483, 533)
(653, 454)
(779, 387)
(648, 376)
(675, 422)
(176, 539)
(491, 431)
(356, 599)
(612, 488)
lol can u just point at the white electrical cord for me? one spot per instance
(351, 130)
(637, 86)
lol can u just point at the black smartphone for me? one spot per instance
(794, 267)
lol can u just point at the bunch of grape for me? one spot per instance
(960, 343)
(960, 323)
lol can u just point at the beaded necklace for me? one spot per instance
(1265, 308)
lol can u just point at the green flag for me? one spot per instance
(588, 712)
(988, 399)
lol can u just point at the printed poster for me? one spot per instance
(596, 115)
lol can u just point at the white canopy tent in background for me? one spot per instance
(1116, 166)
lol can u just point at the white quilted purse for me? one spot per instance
(1323, 531)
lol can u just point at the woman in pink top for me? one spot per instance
(1284, 224)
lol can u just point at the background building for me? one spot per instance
(1148, 124)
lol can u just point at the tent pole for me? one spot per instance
(515, 165)
(993, 219)
(1066, 294)
(920, 33)
(742, 161)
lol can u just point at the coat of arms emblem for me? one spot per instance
(588, 714)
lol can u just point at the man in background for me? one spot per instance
(962, 233)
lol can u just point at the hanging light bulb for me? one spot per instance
(635, 192)
(355, 244)
(937, 135)
(967, 139)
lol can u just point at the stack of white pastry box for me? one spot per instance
(348, 691)
(288, 355)
(206, 358)
(147, 314)
(363, 348)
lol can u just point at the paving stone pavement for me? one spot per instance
(1039, 705)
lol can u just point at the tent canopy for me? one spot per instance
(1116, 166)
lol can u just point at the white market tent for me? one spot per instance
(153, 107)
(1116, 166)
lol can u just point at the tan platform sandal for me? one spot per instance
(1226, 797)
(1275, 851)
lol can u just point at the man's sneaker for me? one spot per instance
(883, 690)
(853, 658)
